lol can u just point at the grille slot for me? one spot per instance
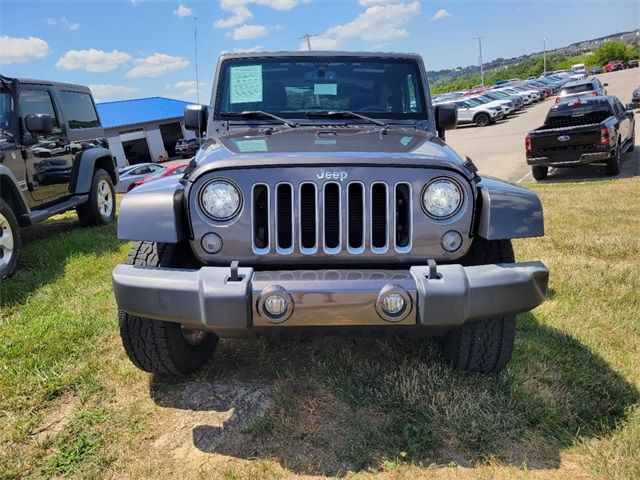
(284, 217)
(355, 221)
(308, 218)
(379, 207)
(260, 205)
(331, 203)
(403, 212)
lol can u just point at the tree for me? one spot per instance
(612, 51)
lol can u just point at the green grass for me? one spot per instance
(567, 406)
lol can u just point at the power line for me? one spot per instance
(307, 37)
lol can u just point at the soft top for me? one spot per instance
(320, 53)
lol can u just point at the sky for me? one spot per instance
(140, 48)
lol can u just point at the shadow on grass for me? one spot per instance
(46, 250)
(629, 168)
(334, 404)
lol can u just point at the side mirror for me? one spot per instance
(39, 123)
(605, 84)
(631, 106)
(446, 118)
(195, 119)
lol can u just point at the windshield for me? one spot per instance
(291, 87)
(6, 116)
(584, 87)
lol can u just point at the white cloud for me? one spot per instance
(248, 32)
(63, 22)
(440, 14)
(186, 90)
(255, 48)
(240, 13)
(369, 3)
(17, 49)
(183, 11)
(92, 60)
(107, 90)
(382, 20)
(156, 65)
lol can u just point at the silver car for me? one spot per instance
(131, 174)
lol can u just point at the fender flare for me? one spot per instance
(11, 193)
(508, 211)
(85, 164)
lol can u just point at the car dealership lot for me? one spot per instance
(498, 150)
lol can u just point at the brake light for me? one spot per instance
(527, 144)
(557, 99)
(595, 94)
(604, 136)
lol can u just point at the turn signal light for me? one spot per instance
(604, 136)
(527, 144)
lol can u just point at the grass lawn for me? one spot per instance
(568, 405)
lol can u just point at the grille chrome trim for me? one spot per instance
(338, 249)
(267, 249)
(385, 248)
(409, 246)
(361, 249)
(314, 249)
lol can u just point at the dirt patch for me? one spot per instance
(56, 417)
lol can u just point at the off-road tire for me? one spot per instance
(484, 346)
(10, 241)
(482, 120)
(612, 167)
(539, 173)
(93, 211)
(156, 346)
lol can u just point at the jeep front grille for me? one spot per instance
(331, 217)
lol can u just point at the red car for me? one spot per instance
(613, 65)
(175, 169)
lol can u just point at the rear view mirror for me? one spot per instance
(195, 119)
(605, 84)
(39, 123)
(446, 118)
(631, 106)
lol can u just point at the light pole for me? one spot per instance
(481, 67)
(544, 54)
(307, 37)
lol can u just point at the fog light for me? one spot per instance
(393, 303)
(211, 243)
(275, 303)
(451, 241)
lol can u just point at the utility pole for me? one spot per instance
(544, 54)
(307, 37)
(481, 67)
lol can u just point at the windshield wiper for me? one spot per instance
(344, 114)
(259, 114)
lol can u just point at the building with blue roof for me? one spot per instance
(143, 129)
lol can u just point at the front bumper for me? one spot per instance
(563, 161)
(439, 299)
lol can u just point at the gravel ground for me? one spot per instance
(498, 149)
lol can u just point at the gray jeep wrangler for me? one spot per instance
(324, 200)
(53, 158)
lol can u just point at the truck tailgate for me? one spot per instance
(568, 138)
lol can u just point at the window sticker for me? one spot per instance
(246, 84)
(322, 141)
(325, 88)
(406, 140)
(249, 146)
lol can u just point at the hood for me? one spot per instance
(324, 145)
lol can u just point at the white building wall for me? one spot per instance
(115, 146)
(154, 140)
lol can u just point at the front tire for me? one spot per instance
(100, 209)
(539, 173)
(612, 167)
(157, 346)
(484, 346)
(482, 120)
(10, 241)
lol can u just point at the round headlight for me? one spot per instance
(442, 198)
(220, 200)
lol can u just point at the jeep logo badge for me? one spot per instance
(564, 138)
(332, 175)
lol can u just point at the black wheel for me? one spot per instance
(484, 346)
(162, 347)
(10, 241)
(482, 120)
(100, 209)
(613, 164)
(539, 173)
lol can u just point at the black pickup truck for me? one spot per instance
(584, 131)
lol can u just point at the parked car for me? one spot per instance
(131, 174)
(613, 66)
(40, 176)
(596, 70)
(169, 170)
(589, 87)
(187, 147)
(579, 69)
(260, 238)
(635, 97)
(471, 110)
(518, 103)
(632, 64)
(589, 131)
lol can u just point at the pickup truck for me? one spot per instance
(585, 131)
(324, 201)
